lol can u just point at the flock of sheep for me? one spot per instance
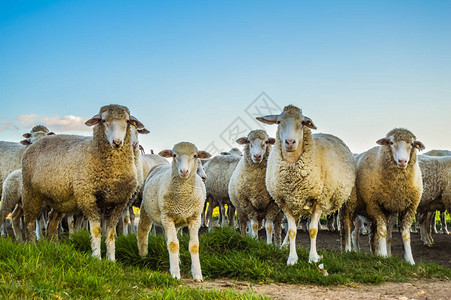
(49, 178)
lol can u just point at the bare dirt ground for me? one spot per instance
(439, 253)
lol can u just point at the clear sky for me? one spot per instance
(196, 70)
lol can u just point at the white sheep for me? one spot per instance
(306, 174)
(95, 175)
(173, 197)
(389, 183)
(219, 170)
(436, 175)
(247, 189)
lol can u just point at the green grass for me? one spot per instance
(57, 270)
(65, 269)
(226, 253)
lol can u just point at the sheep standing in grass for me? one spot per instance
(95, 175)
(213, 202)
(389, 183)
(306, 174)
(219, 170)
(173, 197)
(247, 189)
(436, 175)
(11, 199)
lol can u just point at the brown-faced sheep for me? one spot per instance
(95, 175)
(306, 174)
(247, 189)
(389, 183)
(173, 197)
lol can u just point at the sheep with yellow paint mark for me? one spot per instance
(247, 189)
(173, 197)
(388, 181)
(95, 175)
(306, 174)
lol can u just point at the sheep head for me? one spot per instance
(402, 144)
(257, 145)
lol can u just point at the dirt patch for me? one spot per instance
(418, 289)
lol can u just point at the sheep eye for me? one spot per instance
(195, 155)
(103, 120)
(267, 142)
(391, 143)
(174, 155)
(278, 122)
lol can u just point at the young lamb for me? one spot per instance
(306, 174)
(389, 183)
(247, 189)
(219, 170)
(173, 197)
(95, 175)
(436, 175)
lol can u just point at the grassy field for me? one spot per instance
(66, 269)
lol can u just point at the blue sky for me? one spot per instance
(189, 69)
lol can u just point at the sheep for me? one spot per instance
(173, 197)
(10, 161)
(436, 177)
(306, 174)
(95, 175)
(11, 199)
(219, 170)
(212, 202)
(438, 153)
(247, 190)
(388, 182)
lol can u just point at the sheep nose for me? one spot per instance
(117, 143)
(290, 142)
(257, 157)
(204, 178)
(402, 162)
(184, 172)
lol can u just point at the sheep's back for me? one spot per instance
(219, 170)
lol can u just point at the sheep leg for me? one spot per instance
(173, 246)
(31, 204)
(125, 215)
(52, 227)
(143, 232)
(430, 221)
(209, 213)
(243, 222)
(231, 215)
(222, 214)
(71, 225)
(443, 227)
(111, 230)
(313, 232)
(269, 225)
(193, 227)
(292, 228)
(15, 220)
(132, 219)
(391, 223)
(406, 223)
(355, 236)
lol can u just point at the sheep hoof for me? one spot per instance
(198, 280)
(315, 258)
(292, 261)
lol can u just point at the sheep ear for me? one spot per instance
(143, 131)
(51, 133)
(270, 119)
(165, 153)
(141, 148)
(271, 141)
(203, 154)
(419, 145)
(94, 120)
(136, 122)
(25, 142)
(225, 153)
(308, 122)
(383, 141)
(242, 141)
(27, 135)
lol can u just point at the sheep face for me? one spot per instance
(115, 120)
(257, 142)
(34, 135)
(185, 158)
(200, 170)
(134, 136)
(291, 124)
(402, 144)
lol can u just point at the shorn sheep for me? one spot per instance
(389, 184)
(173, 197)
(436, 174)
(247, 189)
(219, 170)
(306, 174)
(95, 175)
